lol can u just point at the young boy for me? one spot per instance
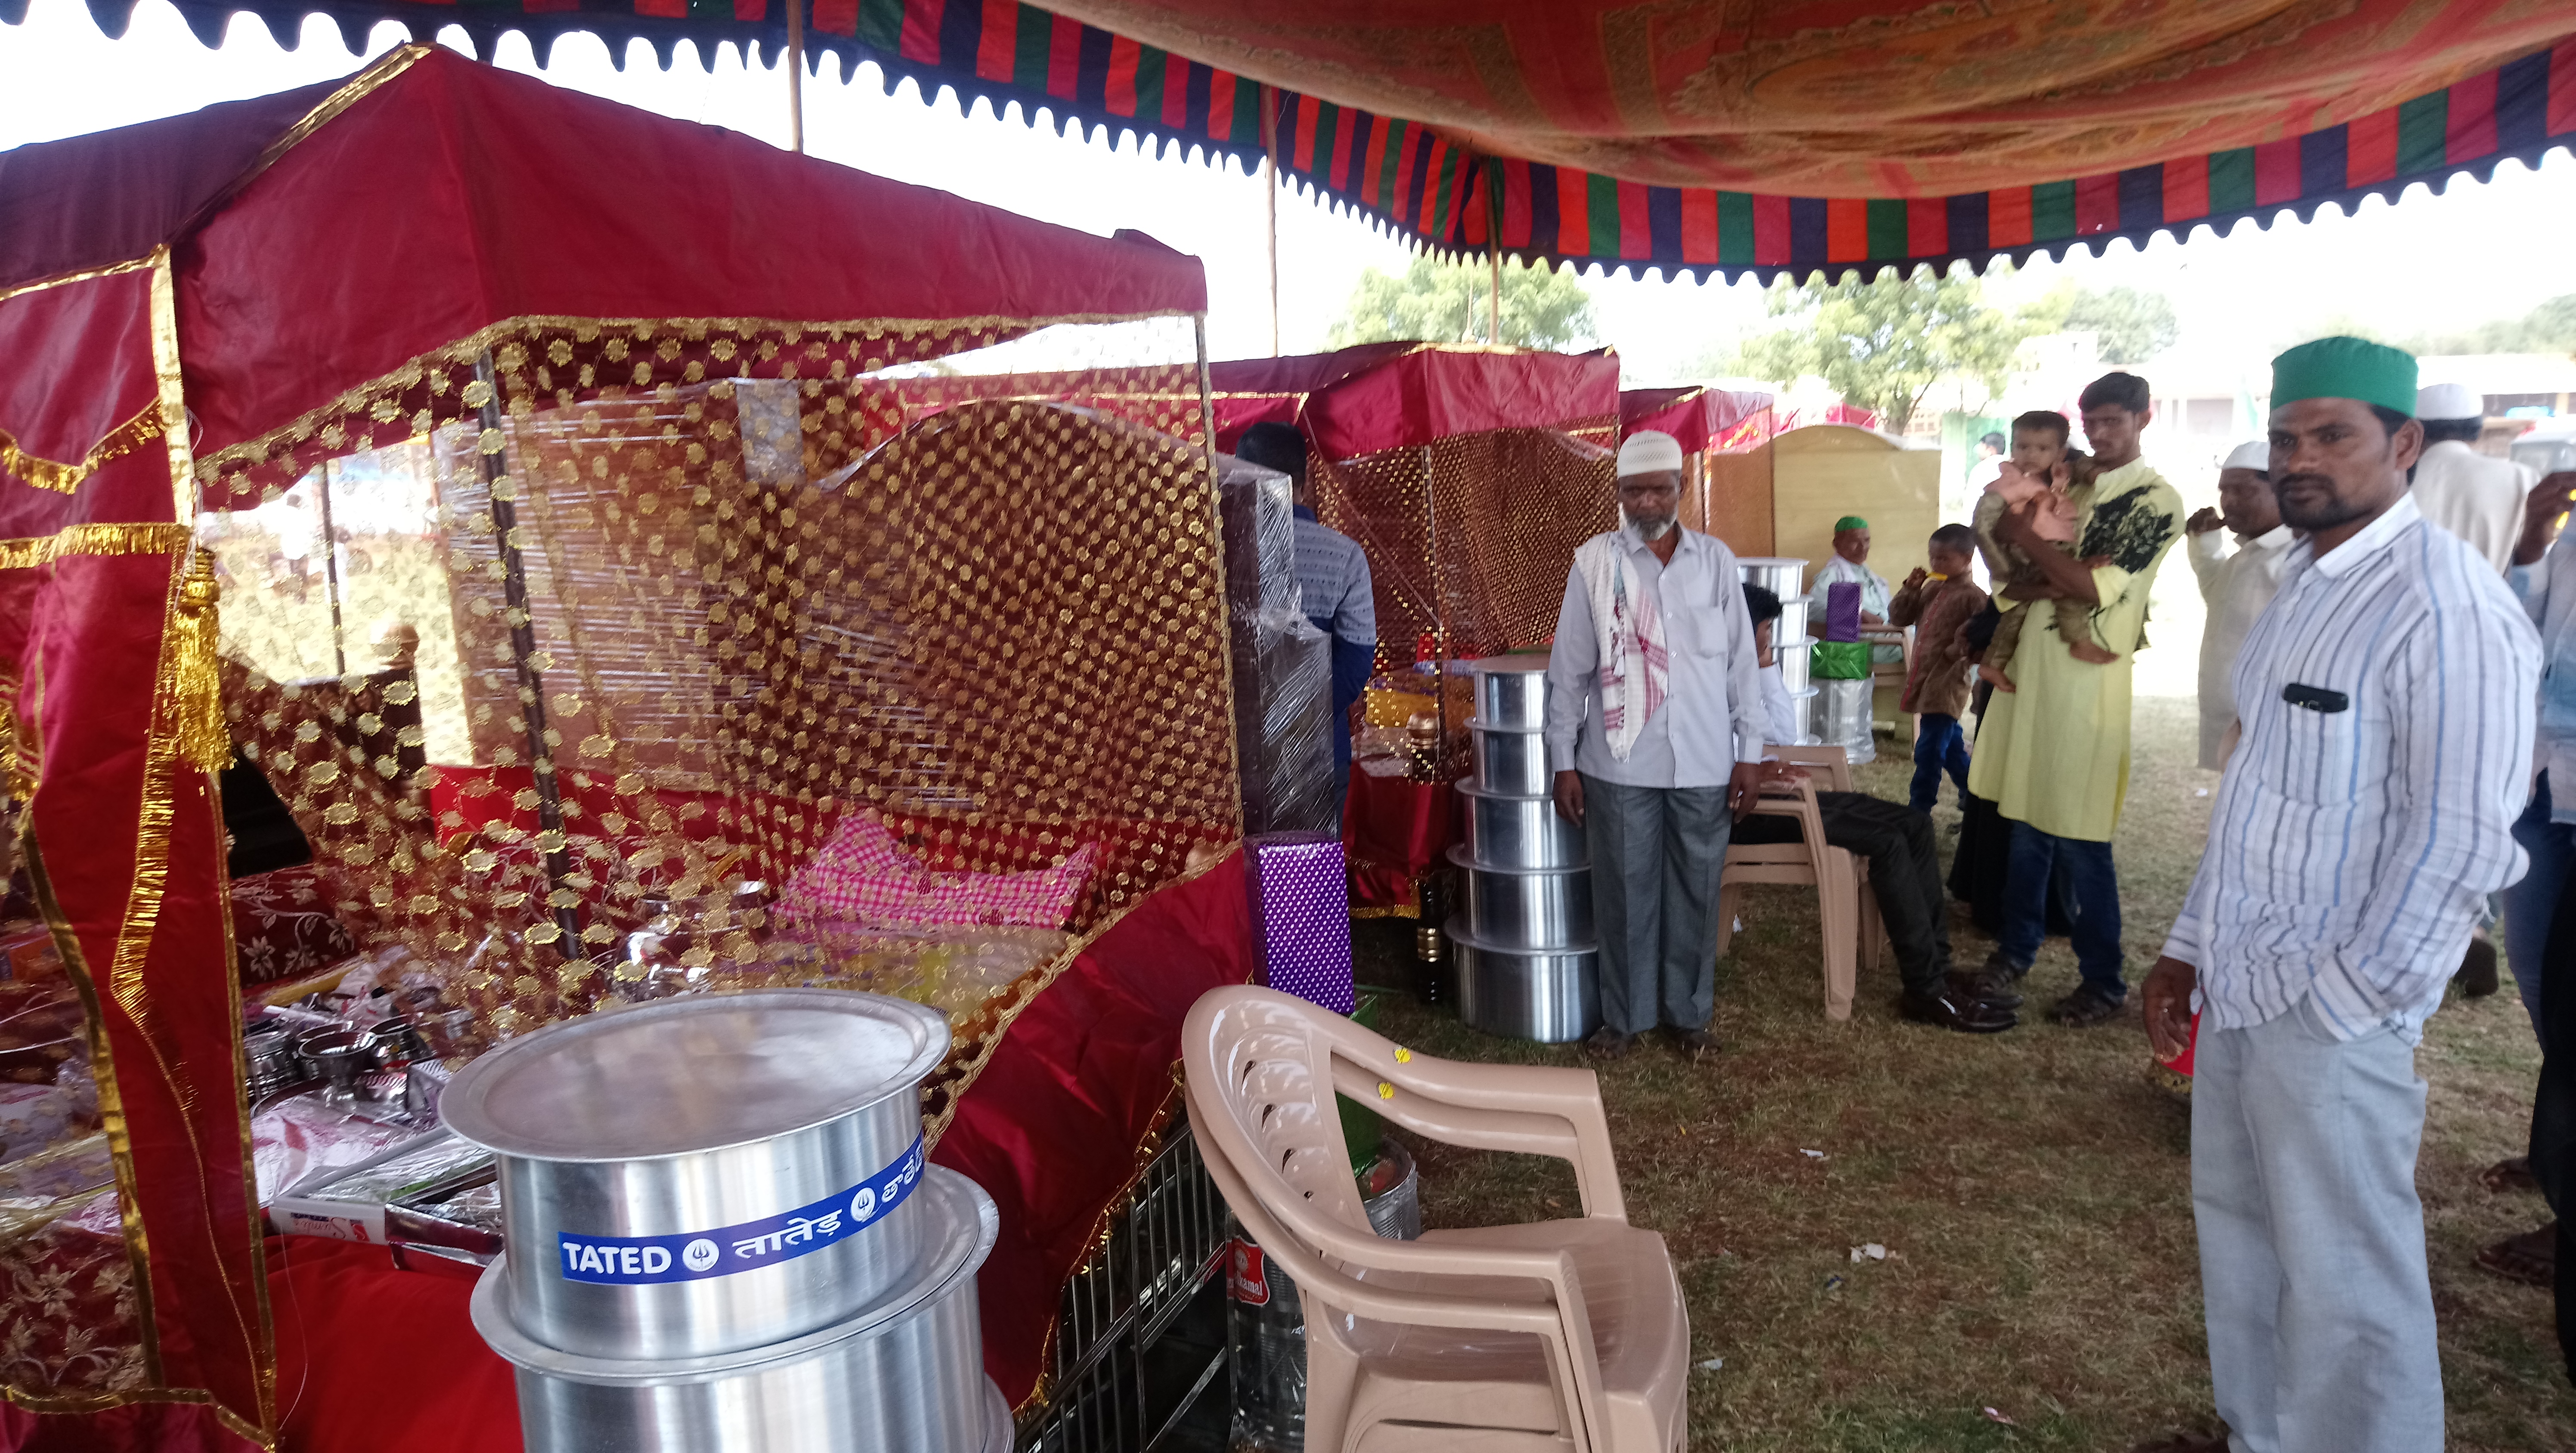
(1937, 603)
(2042, 468)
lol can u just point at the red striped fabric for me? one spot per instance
(1373, 173)
(1770, 231)
(1176, 94)
(834, 17)
(1430, 200)
(1307, 110)
(2276, 171)
(1124, 56)
(1473, 223)
(2472, 120)
(1699, 225)
(1345, 128)
(1402, 202)
(663, 9)
(1927, 226)
(2097, 204)
(2562, 88)
(1064, 58)
(2369, 148)
(1573, 212)
(1846, 229)
(751, 11)
(2186, 188)
(921, 30)
(1516, 202)
(2008, 217)
(997, 50)
(1636, 233)
(1221, 104)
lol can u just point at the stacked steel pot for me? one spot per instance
(1527, 963)
(721, 1234)
(1790, 642)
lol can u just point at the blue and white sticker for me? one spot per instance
(697, 1255)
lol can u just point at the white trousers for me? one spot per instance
(2312, 1240)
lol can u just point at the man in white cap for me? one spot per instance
(2467, 493)
(1655, 729)
(2234, 584)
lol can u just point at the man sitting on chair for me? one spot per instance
(1904, 871)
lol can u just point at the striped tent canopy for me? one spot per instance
(1811, 138)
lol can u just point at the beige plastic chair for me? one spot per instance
(1564, 1336)
(1846, 914)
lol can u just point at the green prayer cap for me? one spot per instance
(2346, 368)
(1855, 522)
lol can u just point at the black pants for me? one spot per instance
(1904, 872)
(2553, 1109)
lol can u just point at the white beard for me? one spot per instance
(1652, 530)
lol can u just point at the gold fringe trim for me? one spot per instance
(196, 680)
(94, 540)
(63, 478)
(96, 1402)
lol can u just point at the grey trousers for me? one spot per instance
(1656, 854)
(2312, 1241)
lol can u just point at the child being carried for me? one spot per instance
(2042, 468)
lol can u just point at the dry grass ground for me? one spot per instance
(2032, 1190)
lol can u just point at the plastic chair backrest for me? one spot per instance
(1834, 762)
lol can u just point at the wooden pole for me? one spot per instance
(796, 76)
(1270, 195)
(331, 571)
(1494, 322)
(523, 650)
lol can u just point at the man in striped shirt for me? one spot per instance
(2385, 702)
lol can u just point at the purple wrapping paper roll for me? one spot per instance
(1842, 612)
(1301, 916)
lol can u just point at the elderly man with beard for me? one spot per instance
(1655, 730)
(2385, 701)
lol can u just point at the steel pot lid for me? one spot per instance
(1516, 663)
(1466, 938)
(1479, 724)
(695, 1073)
(1459, 855)
(969, 1224)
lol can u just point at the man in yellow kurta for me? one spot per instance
(2053, 755)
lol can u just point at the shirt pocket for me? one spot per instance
(2322, 757)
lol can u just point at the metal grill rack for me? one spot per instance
(1140, 1339)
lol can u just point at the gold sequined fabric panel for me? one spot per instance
(1475, 530)
(990, 616)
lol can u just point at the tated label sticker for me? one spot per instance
(725, 1250)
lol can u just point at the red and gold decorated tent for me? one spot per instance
(431, 256)
(1701, 137)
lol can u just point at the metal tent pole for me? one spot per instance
(523, 650)
(796, 76)
(331, 571)
(1270, 195)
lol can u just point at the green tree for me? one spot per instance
(2133, 325)
(1882, 343)
(2549, 328)
(1451, 302)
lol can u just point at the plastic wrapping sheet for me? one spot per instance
(1283, 665)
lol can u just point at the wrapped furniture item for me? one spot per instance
(1283, 666)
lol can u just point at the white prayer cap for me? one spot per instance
(2255, 456)
(1650, 451)
(2449, 401)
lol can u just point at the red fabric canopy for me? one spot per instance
(1701, 418)
(1814, 134)
(1379, 396)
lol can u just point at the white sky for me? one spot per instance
(2479, 252)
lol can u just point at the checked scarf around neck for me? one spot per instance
(1630, 634)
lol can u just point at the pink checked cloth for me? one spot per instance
(864, 877)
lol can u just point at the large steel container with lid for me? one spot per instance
(1778, 574)
(1513, 763)
(905, 1371)
(1511, 692)
(1519, 832)
(699, 1175)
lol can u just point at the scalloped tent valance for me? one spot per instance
(1803, 138)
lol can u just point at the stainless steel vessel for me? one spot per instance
(1795, 656)
(1511, 761)
(905, 1371)
(1776, 573)
(1547, 995)
(695, 1176)
(1526, 907)
(1519, 832)
(1793, 620)
(1803, 703)
(1511, 692)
